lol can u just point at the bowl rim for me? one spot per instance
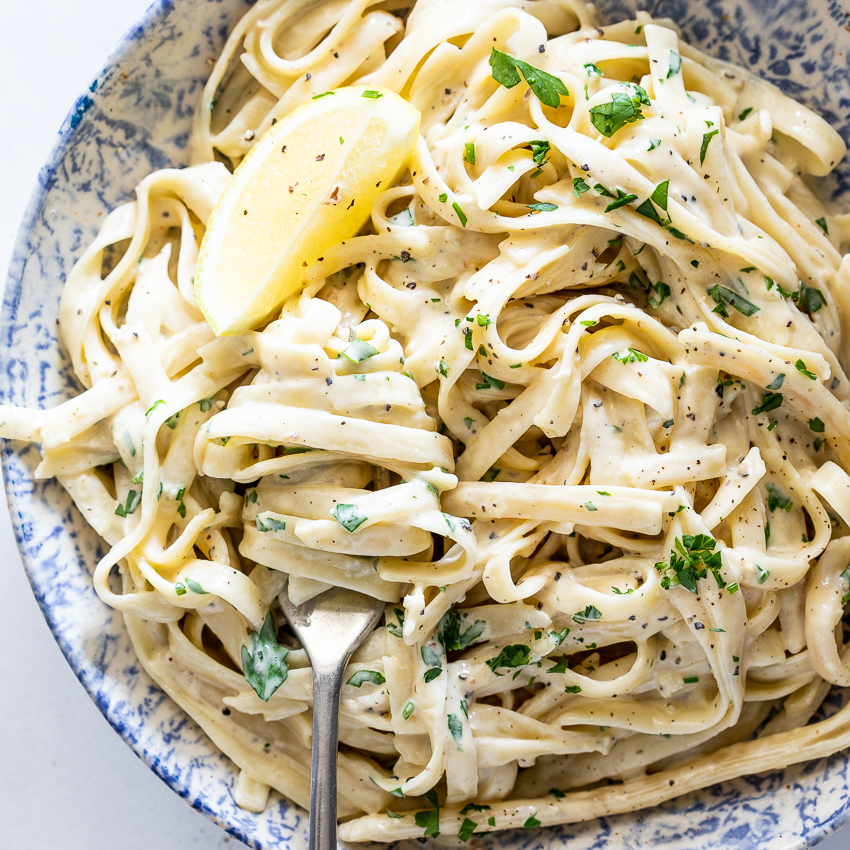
(11, 295)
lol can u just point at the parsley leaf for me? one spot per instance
(349, 516)
(264, 665)
(467, 828)
(723, 297)
(469, 152)
(630, 356)
(456, 728)
(409, 708)
(359, 350)
(397, 630)
(506, 70)
(542, 207)
(449, 632)
(621, 201)
(129, 507)
(675, 64)
(777, 499)
(489, 383)
(659, 292)
(362, 676)
(532, 822)
(801, 367)
(591, 612)
(429, 821)
(460, 214)
(270, 524)
(706, 139)
(770, 402)
(623, 109)
(514, 655)
(816, 425)
(659, 194)
(539, 150)
(579, 186)
(821, 223)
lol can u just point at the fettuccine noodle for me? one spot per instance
(591, 445)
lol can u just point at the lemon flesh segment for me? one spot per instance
(308, 184)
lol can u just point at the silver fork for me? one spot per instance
(330, 627)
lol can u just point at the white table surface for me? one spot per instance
(67, 781)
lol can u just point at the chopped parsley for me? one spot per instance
(489, 383)
(469, 152)
(660, 194)
(777, 499)
(349, 517)
(542, 207)
(429, 821)
(821, 223)
(623, 109)
(359, 350)
(270, 524)
(449, 632)
(532, 822)
(801, 368)
(770, 402)
(363, 676)
(675, 64)
(761, 574)
(653, 144)
(630, 356)
(620, 201)
(723, 297)
(579, 186)
(443, 367)
(467, 829)
(397, 630)
(409, 708)
(130, 505)
(816, 425)
(745, 113)
(371, 93)
(514, 655)
(706, 140)
(264, 664)
(694, 557)
(455, 725)
(154, 406)
(591, 612)
(460, 214)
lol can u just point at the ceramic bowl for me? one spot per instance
(134, 118)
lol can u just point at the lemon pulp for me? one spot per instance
(306, 185)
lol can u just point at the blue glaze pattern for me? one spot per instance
(134, 118)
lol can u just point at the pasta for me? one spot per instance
(573, 405)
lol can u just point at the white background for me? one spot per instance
(67, 781)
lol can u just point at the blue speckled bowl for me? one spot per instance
(135, 118)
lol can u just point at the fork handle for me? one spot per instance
(327, 685)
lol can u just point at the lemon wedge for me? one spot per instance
(307, 184)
